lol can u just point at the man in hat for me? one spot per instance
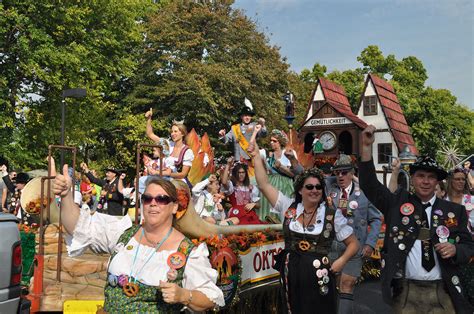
(346, 195)
(241, 133)
(111, 200)
(426, 239)
(15, 184)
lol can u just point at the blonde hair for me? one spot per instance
(181, 127)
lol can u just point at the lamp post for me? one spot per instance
(289, 99)
(68, 93)
(406, 158)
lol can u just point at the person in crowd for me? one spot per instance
(208, 202)
(158, 161)
(3, 187)
(179, 162)
(111, 200)
(279, 167)
(458, 192)
(441, 190)
(153, 267)
(241, 133)
(364, 219)
(15, 184)
(243, 196)
(309, 227)
(469, 169)
(326, 168)
(426, 239)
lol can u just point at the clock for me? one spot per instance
(328, 139)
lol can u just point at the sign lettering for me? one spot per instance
(328, 121)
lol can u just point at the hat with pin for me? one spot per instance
(343, 162)
(428, 164)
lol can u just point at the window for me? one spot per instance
(385, 152)
(370, 105)
(327, 110)
(317, 104)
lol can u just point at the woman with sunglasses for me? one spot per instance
(309, 226)
(153, 267)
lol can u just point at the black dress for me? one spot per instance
(308, 286)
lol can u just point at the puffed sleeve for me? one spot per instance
(188, 157)
(230, 188)
(99, 232)
(282, 204)
(199, 275)
(343, 230)
(255, 194)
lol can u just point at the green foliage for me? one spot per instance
(200, 62)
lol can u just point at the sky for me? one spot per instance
(334, 33)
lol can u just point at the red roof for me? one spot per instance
(335, 96)
(393, 113)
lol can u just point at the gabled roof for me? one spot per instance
(335, 96)
(393, 113)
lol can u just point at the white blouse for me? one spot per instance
(254, 196)
(342, 229)
(100, 233)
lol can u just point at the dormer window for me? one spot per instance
(317, 105)
(370, 105)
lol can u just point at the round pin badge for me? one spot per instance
(435, 217)
(333, 194)
(176, 260)
(458, 288)
(129, 247)
(320, 282)
(395, 229)
(357, 193)
(325, 260)
(451, 215)
(382, 263)
(310, 228)
(350, 221)
(316, 263)
(455, 280)
(438, 212)
(401, 246)
(353, 204)
(236, 212)
(329, 227)
(326, 280)
(319, 274)
(324, 271)
(442, 232)
(122, 280)
(324, 290)
(326, 233)
(405, 220)
(112, 280)
(407, 209)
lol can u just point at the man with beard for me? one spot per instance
(111, 200)
(240, 134)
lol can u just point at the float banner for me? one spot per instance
(258, 261)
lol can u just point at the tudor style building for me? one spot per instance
(330, 118)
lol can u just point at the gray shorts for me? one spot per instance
(353, 266)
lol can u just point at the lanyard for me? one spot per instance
(149, 257)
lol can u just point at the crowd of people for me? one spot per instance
(331, 221)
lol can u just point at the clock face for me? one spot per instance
(328, 139)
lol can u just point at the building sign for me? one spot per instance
(328, 121)
(258, 262)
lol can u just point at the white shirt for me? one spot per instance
(413, 268)
(343, 231)
(100, 233)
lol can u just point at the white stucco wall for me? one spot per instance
(318, 95)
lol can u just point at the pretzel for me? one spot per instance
(304, 245)
(130, 289)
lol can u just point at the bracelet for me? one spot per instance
(190, 299)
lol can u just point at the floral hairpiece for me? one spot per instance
(178, 121)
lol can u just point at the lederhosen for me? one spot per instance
(149, 299)
(308, 286)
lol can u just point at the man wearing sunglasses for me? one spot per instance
(360, 213)
(426, 239)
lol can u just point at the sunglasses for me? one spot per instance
(312, 186)
(159, 199)
(340, 173)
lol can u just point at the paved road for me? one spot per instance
(368, 298)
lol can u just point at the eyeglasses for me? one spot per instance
(312, 186)
(341, 173)
(159, 199)
(241, 172)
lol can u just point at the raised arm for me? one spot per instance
(225, 173)
(120, 183)
(268, 190)
(149, 128)
(90, 176)
(393, 184)
(70, 212)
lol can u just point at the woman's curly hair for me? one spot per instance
(301, 178)
(281, 137)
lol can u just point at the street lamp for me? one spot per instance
(68, 93)
(406, 158)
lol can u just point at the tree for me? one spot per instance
(201, 60)
(46, 48)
